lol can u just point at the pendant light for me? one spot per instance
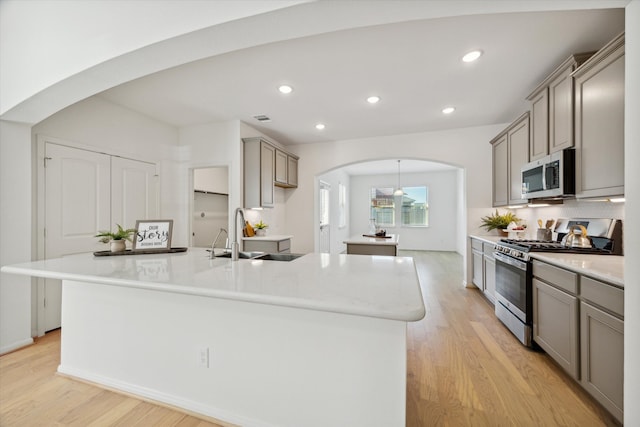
(398, 191)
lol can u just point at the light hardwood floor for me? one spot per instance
(464, 369)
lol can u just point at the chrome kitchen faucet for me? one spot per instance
(212, 254)
(235, 247)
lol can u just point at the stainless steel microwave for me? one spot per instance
(553, 176)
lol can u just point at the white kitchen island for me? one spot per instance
(317, 341)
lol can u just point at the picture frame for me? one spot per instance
(153, 235)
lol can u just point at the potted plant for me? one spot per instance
(499, 221)
(261, 228)
(117, 239)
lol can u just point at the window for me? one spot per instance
(415, 206)
(412, 207)
(383, 206)
(342, 205)
(324, 203)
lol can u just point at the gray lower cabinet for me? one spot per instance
(478, 272)
(555, 325)
(484, 268)
(555, 315)
(579, 322)
(602, 343)
(489, 265)
(268, 246)
(602, 351)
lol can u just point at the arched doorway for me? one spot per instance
(350, 202)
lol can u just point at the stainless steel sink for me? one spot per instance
(242, 255)
(278, 257)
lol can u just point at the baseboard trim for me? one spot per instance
(196, 409)
(16, 346)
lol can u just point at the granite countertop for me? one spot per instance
(371, 286)
(391, 240)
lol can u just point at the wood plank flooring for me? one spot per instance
(32, 394)
(464, 369)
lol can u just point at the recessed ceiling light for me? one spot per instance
(286, 89)
(320, 126)
(472, 56)
(448, 110)
(373, 99)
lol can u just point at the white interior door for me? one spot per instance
(86, 192)
(77, 205)
(324, 215)
(134, 193)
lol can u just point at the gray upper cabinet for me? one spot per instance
(286, 174)
(510, 151)
(281, 168)
(561, 108)
(539, 139)
(552, 109)
(599, 123)
(518, 148)
(259, 173)
(292, 171)
(266, 166)
(500, 170)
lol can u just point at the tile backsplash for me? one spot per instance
(569, 209)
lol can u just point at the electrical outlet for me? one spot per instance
(204, 357)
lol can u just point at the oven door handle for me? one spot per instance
(499, 256)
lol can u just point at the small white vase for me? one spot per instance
(261, 232)
(118, 245)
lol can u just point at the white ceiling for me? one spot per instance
(414, 67)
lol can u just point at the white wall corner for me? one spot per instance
(15, 233)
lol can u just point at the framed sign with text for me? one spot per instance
(153, 234)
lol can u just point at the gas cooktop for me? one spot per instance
(541, 246)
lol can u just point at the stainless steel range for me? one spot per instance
(514, 303)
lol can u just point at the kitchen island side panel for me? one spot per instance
(240, 362)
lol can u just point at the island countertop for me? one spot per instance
(391, 239)
(372, 286)
(269, 238)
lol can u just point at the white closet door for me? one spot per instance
(77, 206)
(134, 193)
